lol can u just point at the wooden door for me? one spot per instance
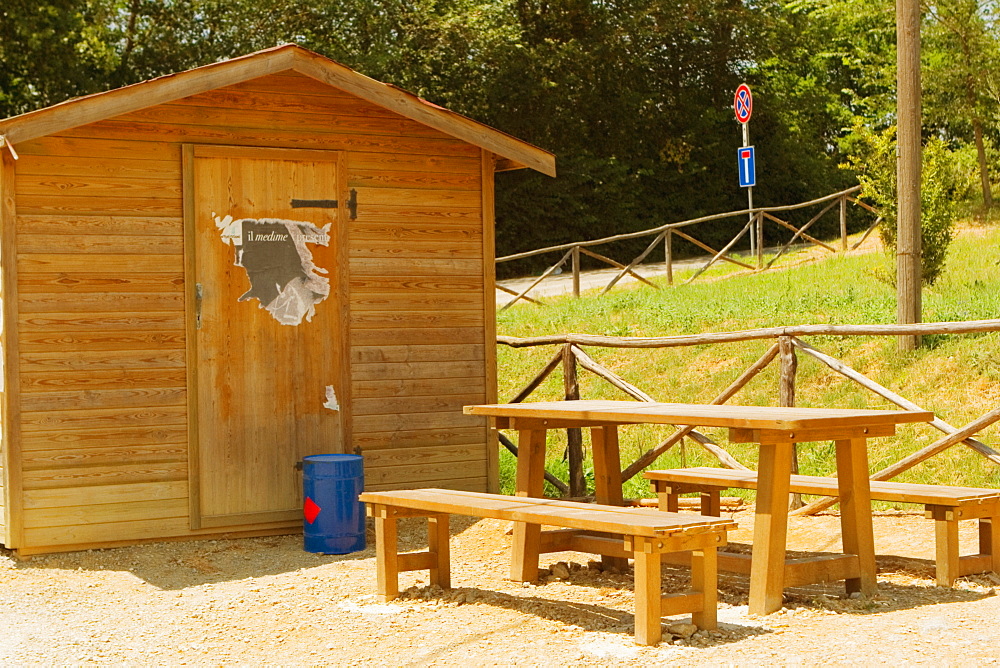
(267, 333)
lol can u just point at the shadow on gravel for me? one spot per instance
(904, 583)
(175, 565)
(587, 616)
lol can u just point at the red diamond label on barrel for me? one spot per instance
(310, 510)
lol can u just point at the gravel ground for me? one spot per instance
(265, 601)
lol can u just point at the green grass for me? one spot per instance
(956, 376)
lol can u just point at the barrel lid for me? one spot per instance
(332, 458)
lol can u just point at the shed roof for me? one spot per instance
(99, 106)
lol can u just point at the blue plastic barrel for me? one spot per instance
(334, 519)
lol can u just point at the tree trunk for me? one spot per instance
(786, 397)
(908, 269)
(984, 174)
(574, 435)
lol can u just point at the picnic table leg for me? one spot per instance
(607, 466)
(856, 511)
(608, 477)
(386, 551)
(531, 483)
(767, 568)
(648, 599)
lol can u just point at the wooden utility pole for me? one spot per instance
(786, 397)
(908, 163)
(574, 435)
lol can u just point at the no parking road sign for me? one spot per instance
(743, 103)
(748, 170)
(743, 107)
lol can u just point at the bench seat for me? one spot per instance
(640, 533)
(944, 504)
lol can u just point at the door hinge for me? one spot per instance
(352, 204)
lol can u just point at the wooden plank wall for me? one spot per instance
(4, 539)
(5, 191)
(101, 311)
(9, 480)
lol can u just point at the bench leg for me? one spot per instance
(386, 555)
(946, 547)
(668, 498)
(647, 598)
(525, 551)
(989, 540)
(705, 580)
(437, 542)
(664, 496)
(671, 502)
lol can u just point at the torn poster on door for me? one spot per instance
(279, 264)
(331, 399)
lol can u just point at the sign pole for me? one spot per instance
(753, 232)
(743, 108)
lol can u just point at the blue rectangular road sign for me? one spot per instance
(748, 170)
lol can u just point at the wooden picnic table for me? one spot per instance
(774, 429)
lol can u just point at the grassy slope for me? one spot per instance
(957, 377)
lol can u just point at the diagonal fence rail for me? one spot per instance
(571, 253)
(787, 345)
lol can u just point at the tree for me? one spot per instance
(634, 96)
(961, 50)
(50, 50)
(874, 160)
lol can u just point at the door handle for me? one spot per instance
(199, 294)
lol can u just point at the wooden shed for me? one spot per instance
(209, 275)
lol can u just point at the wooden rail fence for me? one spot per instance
(788, 344)
(665, 234)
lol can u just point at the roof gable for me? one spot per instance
(93, 108)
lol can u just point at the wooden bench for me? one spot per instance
(640, 533)
(944, 504)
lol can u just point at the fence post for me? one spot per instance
(668, 246)
(789, 365)
(574, 435)
(576, 271)
(760, 240)
(786, 397)
(843, 223)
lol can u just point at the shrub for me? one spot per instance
(873, 158)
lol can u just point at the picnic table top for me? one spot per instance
(702, 415)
